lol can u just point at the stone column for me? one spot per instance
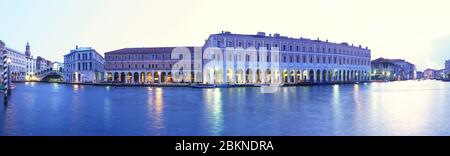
(280, 77)
(159, 77)
(244, 76)
(254, 76)
(288, 76)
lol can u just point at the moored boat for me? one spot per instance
(203, 86)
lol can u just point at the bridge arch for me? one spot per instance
(50, 76)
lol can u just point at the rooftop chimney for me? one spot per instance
(76, 47)
(260, 34)
(276, 35)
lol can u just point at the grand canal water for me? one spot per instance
(394, 108)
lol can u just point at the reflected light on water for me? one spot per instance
(356, 98)
(75, 87)
(336, 97)
(159, 100)
(155, 103)
(30, 84)
(395, 108)
(214, 107)
(336, 107)
(107, 111)
(55, 86)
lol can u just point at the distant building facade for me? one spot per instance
(386, 70)
(2, 51)
(447, 65)
(383, 69)
(31, 64)
(408, 70)
(430, 74)
(153, 65)
(300, 60)
(420, 75)
(83, 65)
(440, 74)
(18, 64)
(447, 69)
(42, 63)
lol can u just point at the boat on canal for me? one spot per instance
(203, 85)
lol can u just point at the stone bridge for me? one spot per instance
(46, 75)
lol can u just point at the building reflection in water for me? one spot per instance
(30, 84)
(75, 110)
(213, 102)
(155, 109)
(336, 108)
(393, 108)
(107, 111)
(55, 86)
(75, 87)
(356, 98)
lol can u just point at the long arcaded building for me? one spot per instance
(299, 60)
(228, 58)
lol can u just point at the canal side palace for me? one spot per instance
(299, 60)
(153, 65)
(83, 65)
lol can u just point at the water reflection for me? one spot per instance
(107, 111)
(214, 112)
(396, 108)
(8, 120)
(155, 109)
(356, 98)
(75, 87)
(337, 117)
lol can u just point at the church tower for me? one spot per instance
(27, 50)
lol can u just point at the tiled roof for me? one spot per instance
(145, 50)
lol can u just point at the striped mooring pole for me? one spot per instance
(5, 76)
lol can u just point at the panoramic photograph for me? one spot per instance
(205, 68)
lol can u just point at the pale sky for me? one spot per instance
(418, 31)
